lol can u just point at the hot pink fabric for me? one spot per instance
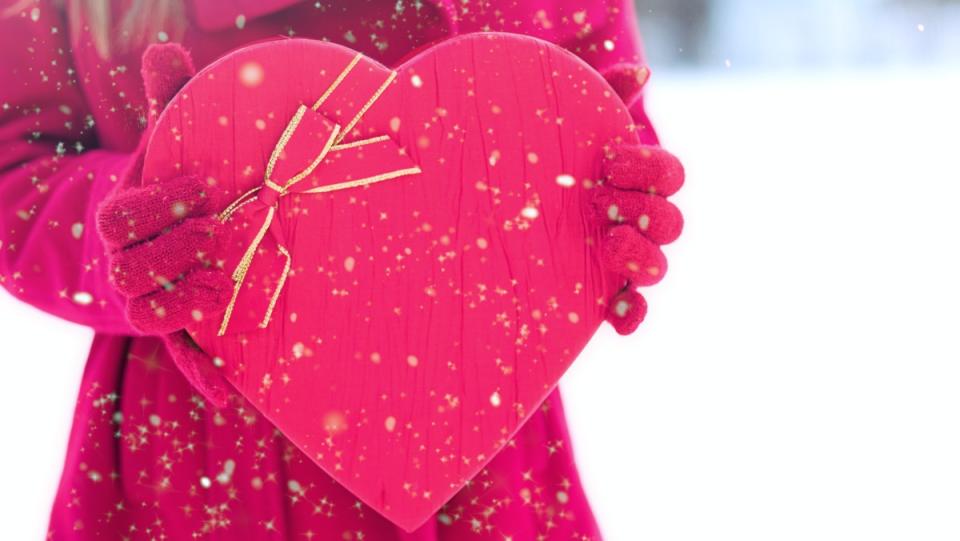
(148, 458)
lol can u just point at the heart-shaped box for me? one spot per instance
(415, 257)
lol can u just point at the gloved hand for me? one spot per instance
(162, 241)
(631, 201)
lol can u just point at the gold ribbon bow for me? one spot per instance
(378, 152)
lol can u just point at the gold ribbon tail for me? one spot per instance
(240, 272)
(276, 292)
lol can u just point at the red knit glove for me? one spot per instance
(162, 241)
(631, 200)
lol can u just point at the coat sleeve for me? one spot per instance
(52, 177)
(606, 34)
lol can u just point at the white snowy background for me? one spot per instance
(798, 376)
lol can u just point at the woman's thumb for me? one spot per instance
(165, 68)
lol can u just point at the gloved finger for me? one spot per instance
(200, 294)
(631, 255)
(626, 311)
(139, 214)
(198, 368)
(627, 80)
(645, 168)
(160, 262)
(658, 219)
(165, 68)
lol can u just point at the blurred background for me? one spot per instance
(797, 377)
(780, 35)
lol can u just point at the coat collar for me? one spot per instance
(219, 14)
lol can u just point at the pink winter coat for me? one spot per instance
(147, 458)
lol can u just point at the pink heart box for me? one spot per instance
(418, 320)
